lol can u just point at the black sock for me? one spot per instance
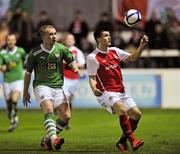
(14, 108)
(9, 109)
(123, 139)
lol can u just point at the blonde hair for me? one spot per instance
(44, 28)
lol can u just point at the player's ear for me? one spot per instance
(98, 39)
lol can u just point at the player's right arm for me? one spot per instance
(3, 67)
(29, 65)
(26, 95)
(92, 83)
(92, 67)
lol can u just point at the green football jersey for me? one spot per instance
(48, 65)
(14, 62)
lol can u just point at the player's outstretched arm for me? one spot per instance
(144, 41)
(26, 96)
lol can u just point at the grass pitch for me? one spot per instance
(93, 131)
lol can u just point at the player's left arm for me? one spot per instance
(70, 60)
(74, 66)
(135, 55)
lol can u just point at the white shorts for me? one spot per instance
(43, 93)
(70, 86)
(108, 99)
(13, 86)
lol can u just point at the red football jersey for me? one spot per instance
(107, 68)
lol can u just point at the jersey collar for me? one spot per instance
(48, 51)
(102, 51)
(13, 51)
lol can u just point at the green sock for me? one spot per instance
(50, 126)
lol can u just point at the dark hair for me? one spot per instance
(78, 12)
(105, 14)
(43, 12)
(99, 30)
(11, 33)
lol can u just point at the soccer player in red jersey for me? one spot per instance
(106, 82)
(71, 78)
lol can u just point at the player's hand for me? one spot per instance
(97, 92)
(26, 99)
(3, 68)
(144, 40)
(77, 71)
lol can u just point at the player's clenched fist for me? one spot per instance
(144, 40)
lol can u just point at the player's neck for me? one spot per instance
(47, 46)
(102, 47)
(10, 48)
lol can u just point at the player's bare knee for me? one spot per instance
(119, 108)
(136, 115)
(15, 99)
(47, 109)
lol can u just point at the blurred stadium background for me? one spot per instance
(153, 81)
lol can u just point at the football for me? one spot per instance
(132, 17)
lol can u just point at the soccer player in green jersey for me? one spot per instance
(47, 63)
(11, 64)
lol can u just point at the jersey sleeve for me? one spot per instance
(122, 54)
(1, 59)
(29, 62)
(80, 57)
(68, 56)
(92, 65)
(23, 53)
